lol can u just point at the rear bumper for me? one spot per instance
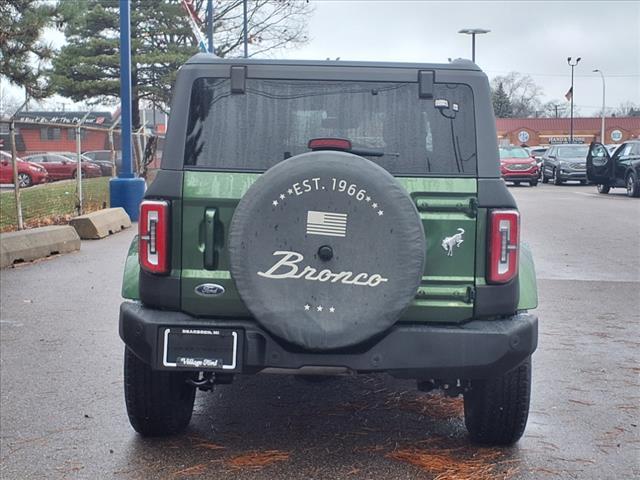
(477, 349)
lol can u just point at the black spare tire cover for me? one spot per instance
(326, 249)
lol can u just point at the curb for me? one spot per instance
(28, 245)
(100, 224)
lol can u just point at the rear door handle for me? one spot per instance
(210, 254)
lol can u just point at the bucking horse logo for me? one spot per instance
(453, 241)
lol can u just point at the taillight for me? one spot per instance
(153, 229)
(504, 243)
(329, 144)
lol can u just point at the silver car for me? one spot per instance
(562, 163)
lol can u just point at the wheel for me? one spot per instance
(496, 410)
(516, 183)
(633, 187)
(24, 180)
(603, 189)
(533, 182)
(556, 179)
(583, 182)
(73, 174)
(158, 402)
(545, 179)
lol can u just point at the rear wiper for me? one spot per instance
(365, 152)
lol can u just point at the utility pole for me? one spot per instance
(209, 26)
(572, 65)
(603, 106)
(244, 29)
(126, 190)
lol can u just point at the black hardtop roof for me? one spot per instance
(208, 58)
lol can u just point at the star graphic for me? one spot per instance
(290, 192)
(332, 309)
(281, 196)
(368, 199)
(374, 205)
(319, 308)
(275, 203)
(307, 307)
(380, 213)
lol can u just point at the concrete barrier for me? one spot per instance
(101, 223)
(28, 245)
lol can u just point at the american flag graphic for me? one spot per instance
(326, 223)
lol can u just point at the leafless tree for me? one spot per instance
(272, 25)
(523, 93)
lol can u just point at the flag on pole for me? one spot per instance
(569, 94)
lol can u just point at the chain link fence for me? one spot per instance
(56, 182)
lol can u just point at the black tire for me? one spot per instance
(73, 174)
(583, 182)
(496, 410)
(556, 179)
(545, 179)
(24, 180)
(633, 186)
(533, 183)
(158, 402)
(517, 184)
(603, 189)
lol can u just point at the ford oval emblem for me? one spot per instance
(209, 290)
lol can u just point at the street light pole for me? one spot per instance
(572, 65)
(245, 33)
(473, 32)
(603, 106)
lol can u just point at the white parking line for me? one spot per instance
(599, 195)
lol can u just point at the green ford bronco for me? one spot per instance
(327, 218)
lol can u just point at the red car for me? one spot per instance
(60, 167)
(516, 165)
(28, 173)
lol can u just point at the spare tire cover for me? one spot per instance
(355, 287)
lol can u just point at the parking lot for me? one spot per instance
(63, 414)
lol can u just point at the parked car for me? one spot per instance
(103, 158)
(345, 238)
(562, 163)
(105, 166)
(28, 173)
(537, 153)
(60, 167)
(516, 165)
(612, 147)
(618, 170)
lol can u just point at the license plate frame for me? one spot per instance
(201, 348)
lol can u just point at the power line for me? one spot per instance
(533, 74)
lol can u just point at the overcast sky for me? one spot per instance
(529, 37)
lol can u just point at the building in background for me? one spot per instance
(550, 131)
(56, 131)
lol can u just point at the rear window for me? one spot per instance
(513, 153)
(386, 122)
(579, 151)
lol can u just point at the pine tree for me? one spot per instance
(501, 105)
(88, 66)
(23, 54)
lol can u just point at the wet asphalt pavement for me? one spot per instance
(62, 410)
